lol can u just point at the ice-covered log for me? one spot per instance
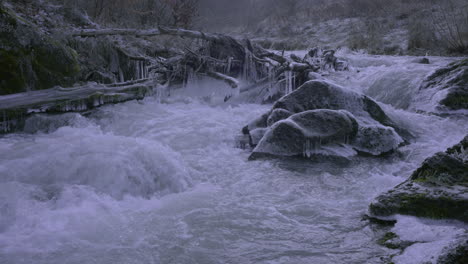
(222, 77)
(16, 107)
(225, 58)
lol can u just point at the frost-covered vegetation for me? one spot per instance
(377, 26)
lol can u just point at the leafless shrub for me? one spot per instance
(449, 20)
(138, 13)
(420, 34)
(183, 11)
(367, 35)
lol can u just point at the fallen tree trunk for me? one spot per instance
(226, 58)
(222, 77)
(15, 108)
(147, 33)
(221, 46)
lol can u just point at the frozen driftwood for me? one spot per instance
(16, 107)
(223, 57)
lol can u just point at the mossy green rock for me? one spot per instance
(454, 79)
(31, 60)
(438, 189)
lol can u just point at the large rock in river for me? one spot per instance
(445, 89)
(323, 119)
(307, 133)
(438, 189)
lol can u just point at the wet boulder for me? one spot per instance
(322, 94)
(277, 115)
(323, 119)
(376, 140)
(307, 133)
(438, 189)
(448, 86)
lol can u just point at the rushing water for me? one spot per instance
(151, 182)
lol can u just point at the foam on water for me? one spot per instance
(145, 182)
(430, 238)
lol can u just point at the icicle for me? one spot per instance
(6, 127)
(121, 75)
(186, 76)
(306, 149)
(271, 76)
(246, 65)
(142, 67)
(289, 82)
(191, 78)
(137, 69)
(146, 70)
(229, 65)
(250, 71)
(140, 70)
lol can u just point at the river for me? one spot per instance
(163, 182)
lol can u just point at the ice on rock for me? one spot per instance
(307, 133)
(256, 135)
(316, 148)
(376, 140)
(321, 118)
(289, 79)
(278, 115)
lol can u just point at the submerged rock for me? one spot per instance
(323, 119)
(438, 189)
(423, 61)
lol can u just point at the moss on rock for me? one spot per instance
(30, 60)
(454, 78)
(438, 189)
(422, 203)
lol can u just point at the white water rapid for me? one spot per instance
(152, 182)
